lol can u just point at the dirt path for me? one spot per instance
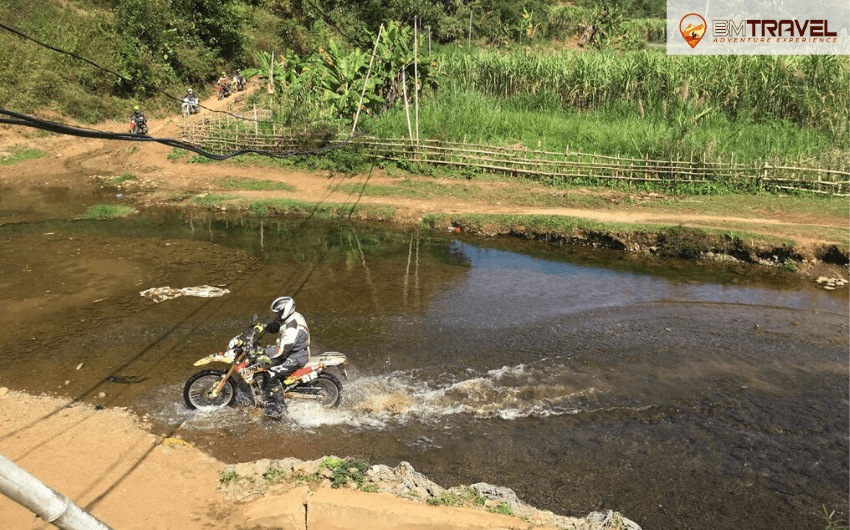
(72, 159)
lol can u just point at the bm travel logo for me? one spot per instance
(723, 27)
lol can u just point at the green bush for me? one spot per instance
(345, 471)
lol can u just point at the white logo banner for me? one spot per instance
(766, 27)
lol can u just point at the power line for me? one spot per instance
(16, 118)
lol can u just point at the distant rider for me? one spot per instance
(192, 99)
(240, 81)
(138, 118)
(289, 353)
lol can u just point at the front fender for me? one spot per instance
(226, 357)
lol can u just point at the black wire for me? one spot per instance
(17, 118)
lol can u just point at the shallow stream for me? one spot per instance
(681, 395)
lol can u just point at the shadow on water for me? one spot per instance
(682, 395)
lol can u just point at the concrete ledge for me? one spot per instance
(329, 509)
(285, 512)
(336, 509)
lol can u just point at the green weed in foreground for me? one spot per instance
(249, 184)
(274, 475)
(109, 211)
(177, 153)
(457, 497)
(227, 477)
(122, 178)
(345, 471)
(19, 154)
(832, 521)
(502, 508)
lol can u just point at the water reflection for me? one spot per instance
(505, 288)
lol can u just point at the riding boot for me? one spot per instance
(275, 407)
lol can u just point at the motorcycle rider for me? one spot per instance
(192, 99)
(240, 81)
(290, 352)
(138, 118)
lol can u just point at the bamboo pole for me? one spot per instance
(416, 76)
(366, 81)
(271, 75)
(406, 106)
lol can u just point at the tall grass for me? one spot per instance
(811, 91)
(458, 114)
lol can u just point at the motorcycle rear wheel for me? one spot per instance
(197, 388)
(326, 388)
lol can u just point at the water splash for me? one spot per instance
(382, 401)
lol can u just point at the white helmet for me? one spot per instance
(284, 306)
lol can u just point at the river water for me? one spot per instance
(683, 396)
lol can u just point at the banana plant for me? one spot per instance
(269, 69)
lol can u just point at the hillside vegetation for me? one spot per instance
(585, 75)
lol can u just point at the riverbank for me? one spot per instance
(806, 236)
(108, 462)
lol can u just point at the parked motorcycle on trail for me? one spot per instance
(215, 388)
(138, 125)
(190, 106)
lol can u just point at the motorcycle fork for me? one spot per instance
(220, 386)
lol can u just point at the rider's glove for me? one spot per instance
(260, 328)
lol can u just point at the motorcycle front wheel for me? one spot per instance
(326, 389)
(196, 391)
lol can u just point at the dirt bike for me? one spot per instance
(138, 125)
(214, 388)
(190, 106)
(223, 89)
(239, 82)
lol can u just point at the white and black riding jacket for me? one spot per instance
(293, 337)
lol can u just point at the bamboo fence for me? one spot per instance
(227, 134)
